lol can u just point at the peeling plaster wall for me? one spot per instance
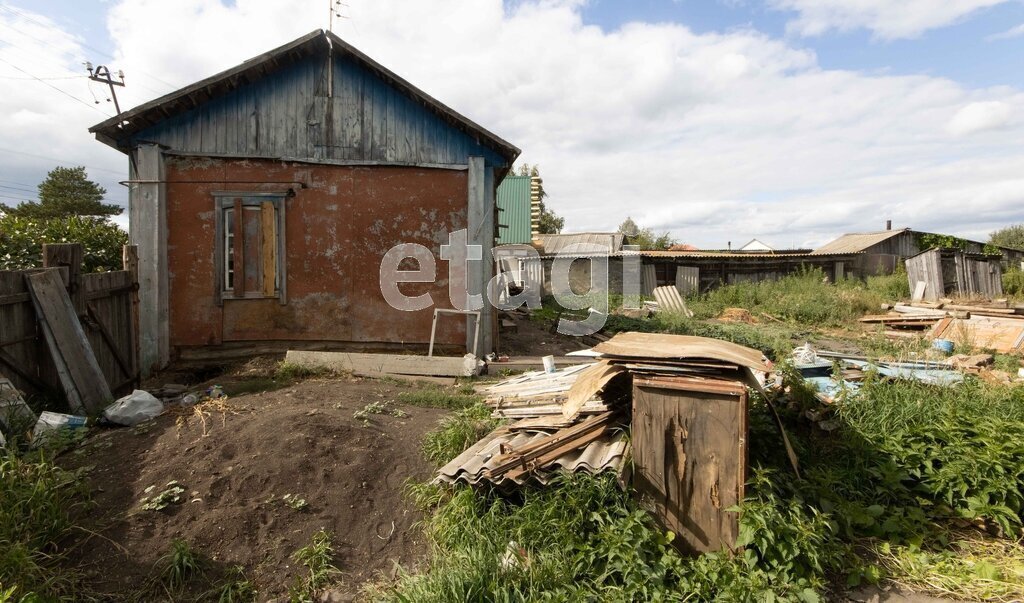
(337, 231)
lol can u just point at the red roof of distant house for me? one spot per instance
(683, 247)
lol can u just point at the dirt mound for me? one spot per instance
(236, 466)
(737, 315)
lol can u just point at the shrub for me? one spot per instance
(1013, 282)
(802, 297)
(21, 241)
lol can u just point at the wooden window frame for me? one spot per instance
(236, 200)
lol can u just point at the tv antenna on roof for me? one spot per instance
(335, 9)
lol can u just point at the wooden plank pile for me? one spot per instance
(987, 324)
(684, 400)
(542, 439)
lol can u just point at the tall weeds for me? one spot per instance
(911, 473)
(37, 501)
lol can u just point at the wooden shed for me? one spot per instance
(940, 273)
(263, 199)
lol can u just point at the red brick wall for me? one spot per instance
(337, 231)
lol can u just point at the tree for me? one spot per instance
(549, 222)
(644, 237)
(21, 241)
(1010, 236)
(65, 192)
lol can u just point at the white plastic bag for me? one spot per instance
(135, 408)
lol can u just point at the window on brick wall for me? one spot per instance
(250, 245)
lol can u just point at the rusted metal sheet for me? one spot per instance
(339, 224)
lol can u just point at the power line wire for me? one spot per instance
(63, 77)
(64, 92)
(17, 12)
(63, 161)
(18, 188)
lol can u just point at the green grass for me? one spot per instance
(318, 559)
(38, 501)
(179, 566)
(235, 588)
(288, 371)
(457, 432)
(802, 297)
(890, 496)
(1006, 362)
(436, 397)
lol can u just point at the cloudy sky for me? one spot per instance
(788, 120)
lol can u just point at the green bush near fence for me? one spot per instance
(22, 239)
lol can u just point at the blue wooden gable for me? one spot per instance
(292, 108)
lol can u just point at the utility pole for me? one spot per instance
(102, 75)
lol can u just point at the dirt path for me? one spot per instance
(235, 468)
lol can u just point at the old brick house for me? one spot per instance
(263, 198)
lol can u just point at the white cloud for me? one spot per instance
(45, 122)
(887, 19)
(717, 137)
(1013, 32)
(979, 117)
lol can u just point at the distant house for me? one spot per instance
(881, 251)
(263, 199)
(757, 247)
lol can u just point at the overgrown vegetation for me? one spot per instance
(1013, 282)
(437, 397)
(457, 432)
(179, 566)
(318, 559)
(1010, 236)
(920, 485)
(22, 239)
(37, 503)
(804, 297)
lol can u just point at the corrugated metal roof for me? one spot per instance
(857, 241)
(734, 255)
(514, 210)
(604, 454)
(558, 243)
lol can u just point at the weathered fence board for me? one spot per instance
(105, 304)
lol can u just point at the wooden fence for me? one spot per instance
(107, 307)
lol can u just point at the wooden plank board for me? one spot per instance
(80, 374)
(689, 460)
(440, 366)
(268, 221)
(657, 345)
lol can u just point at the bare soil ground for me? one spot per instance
(236, 463)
